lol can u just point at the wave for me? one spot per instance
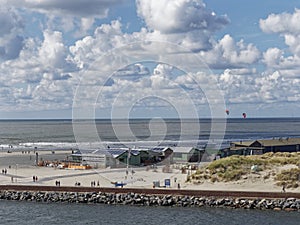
(106, 144)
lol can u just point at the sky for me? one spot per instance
(149, 58)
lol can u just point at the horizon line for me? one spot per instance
(147, 118)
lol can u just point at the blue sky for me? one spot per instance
(148, 58)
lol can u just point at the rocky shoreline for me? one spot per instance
(287, 204)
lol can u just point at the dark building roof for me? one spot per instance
(267, 142)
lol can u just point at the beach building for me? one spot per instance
(113, 157)
(186, 154)
(128, 157)
(94, 158)
(122, 157)
(258, 147)
(160, 154)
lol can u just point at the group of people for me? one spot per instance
(4, 171)
(93, 184)
(127, 172)
(34, 178)
(57, 183)
(25, 152)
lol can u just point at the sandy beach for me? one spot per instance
(21, 168)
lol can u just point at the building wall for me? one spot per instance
(134, 160)
(284, 148)
(179, 157)
(98, 160)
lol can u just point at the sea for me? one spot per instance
(66, 134)
(60, 134)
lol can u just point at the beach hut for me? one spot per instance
(129, 157)
(160, 154)
(187, 154)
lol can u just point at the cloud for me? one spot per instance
(70, 15)
(226, 53)
(11, 40)
(179, 16)
(253, 88)
(42, 72)
(286, 25)
(52, 51)
(272, 56)
(185, 22)
(105, 38)
(137, 70)
(78, 8)
(281, 23)
(40, 78)
(9, 20)
(287, 61)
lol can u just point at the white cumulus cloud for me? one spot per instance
(287, 25)
(186, 22)
(179, 16)
(228, 53)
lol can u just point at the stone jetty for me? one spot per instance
(138, 199)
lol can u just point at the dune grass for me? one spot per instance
(233, 168)
(289, 178)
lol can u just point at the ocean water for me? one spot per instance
(60, 213)
(59, 133)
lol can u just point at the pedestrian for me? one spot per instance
(283, 188)
(178, 185)
(33, 178)
(98, 183)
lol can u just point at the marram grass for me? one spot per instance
(233, 168)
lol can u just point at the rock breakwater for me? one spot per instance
(288, 204)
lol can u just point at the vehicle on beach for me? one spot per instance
(119, 184)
